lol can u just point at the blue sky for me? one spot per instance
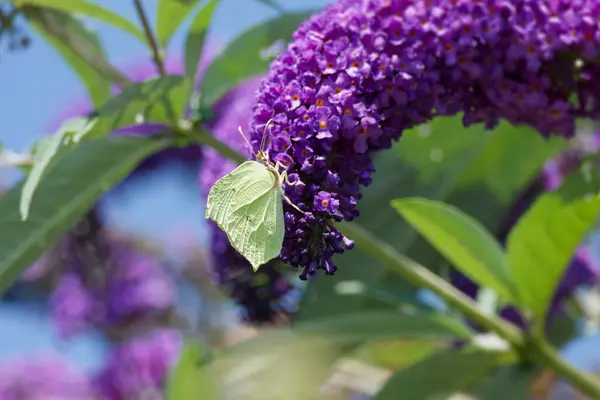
(36, 85)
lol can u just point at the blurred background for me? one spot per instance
(148, 257)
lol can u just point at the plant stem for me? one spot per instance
(157, 58)
(421, 277)
(536, 347)
(203, 137)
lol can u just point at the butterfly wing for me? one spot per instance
(257, 229)
(239, 187)
(247, 206)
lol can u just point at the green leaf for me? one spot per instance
(385, 294)
(562, 329)
(70, 187)
(169, 16)
(461, 239)
(511, 160)
(443, 374)
(45, 23)
(189, 380)
(45, 151)
(242, 59)
(194, 41)
(396, 354)
(486, 188)
(89, 9)
(508, 382)
(544, 240)
(160, 100)
(384, 325)
(278, 365)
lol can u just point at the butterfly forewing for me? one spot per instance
(254, 183)
(236, 189)
(247, 205)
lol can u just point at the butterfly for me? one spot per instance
(247, 204)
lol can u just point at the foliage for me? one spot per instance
(438, 201)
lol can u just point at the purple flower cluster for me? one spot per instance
(44, 378)
(107, 284)
(138, 368)
(258, 293)
(359, 73)
(583, 270)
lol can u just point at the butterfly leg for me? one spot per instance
(291, 204)
(284, 178)
(283, 175)
(277, 166)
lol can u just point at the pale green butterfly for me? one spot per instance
(247, 205)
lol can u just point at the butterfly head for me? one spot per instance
(262, 156)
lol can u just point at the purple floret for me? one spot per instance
(107, 284)
(139, 367)
(43, 378)
(360, 72)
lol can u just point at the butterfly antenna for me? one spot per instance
(262, 142)
(246, 140)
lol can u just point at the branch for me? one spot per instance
(150, 37)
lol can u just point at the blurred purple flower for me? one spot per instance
(360, 72)
(48, 378)
(37, 270)
(107, 284)
(258, 293)
(73, 305)
(137, 369)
